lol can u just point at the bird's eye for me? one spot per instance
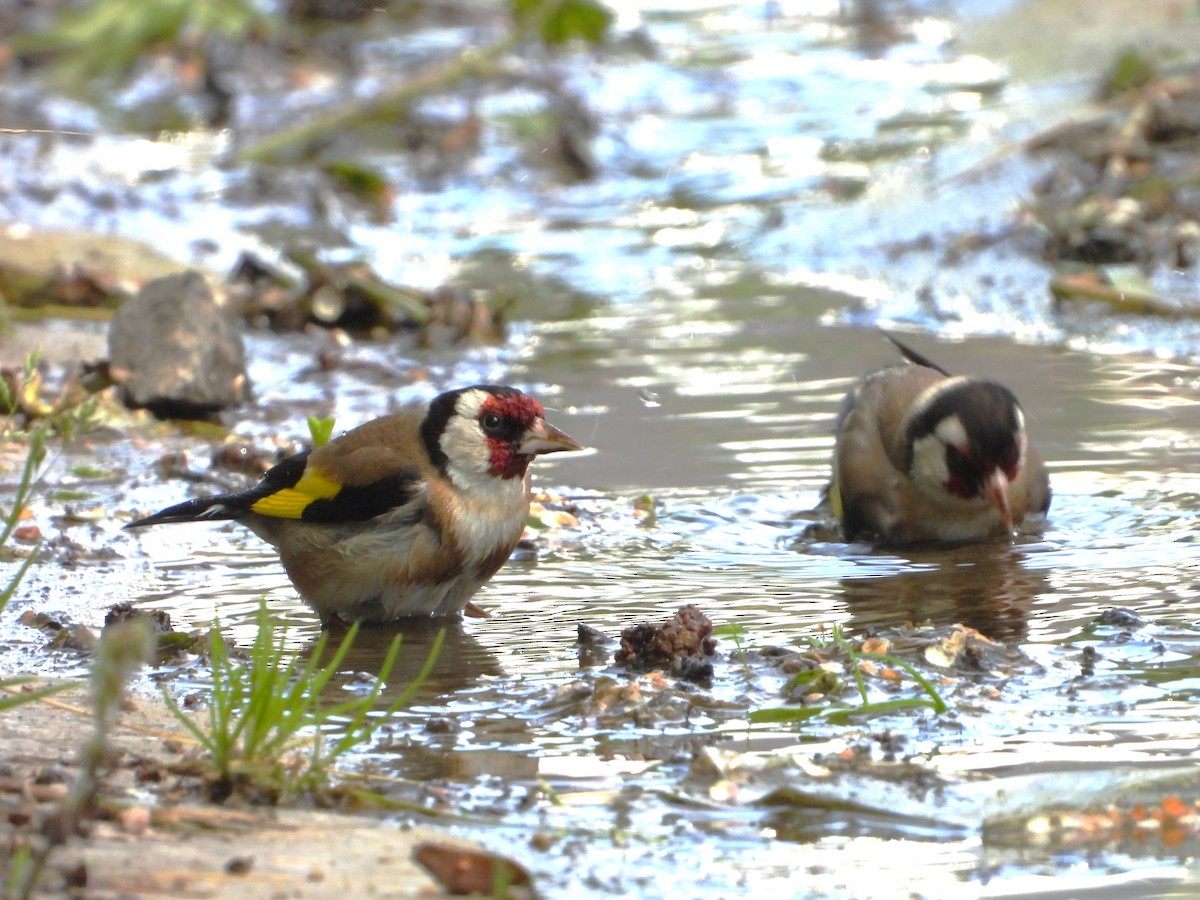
(491, 422)
(959, 462)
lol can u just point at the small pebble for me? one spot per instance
(239, 865)
(135, 820)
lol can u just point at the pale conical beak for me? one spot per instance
(996, 488)
(542, 437)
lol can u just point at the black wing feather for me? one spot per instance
(353, 503)
(357, 503)
(199, 509)
(234, 505)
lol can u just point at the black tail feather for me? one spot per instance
(200, 509)
(913, 356)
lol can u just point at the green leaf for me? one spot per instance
(364, 182)
(730, 629)
(816, 681)
(1129, 279)
(649, 506)
(320, 429)
(881, 708)
(1130, 70)
(66, 496)
(87, 471)
(105, 38)
(559, 21)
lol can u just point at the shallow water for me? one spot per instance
(734, 449)
(694, 355)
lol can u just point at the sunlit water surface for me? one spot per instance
(723, 417)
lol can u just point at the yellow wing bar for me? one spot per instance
(290, 503)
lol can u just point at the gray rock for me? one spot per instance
(175, 352)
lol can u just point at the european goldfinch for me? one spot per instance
(406, 515)
(922, 455)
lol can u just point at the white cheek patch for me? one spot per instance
(1022, 440)
(950, 432)
(469, 404)
(929, 470)
(467, 453)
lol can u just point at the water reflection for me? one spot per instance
(986, 587)
(461, 663)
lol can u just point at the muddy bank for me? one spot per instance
(175, 846)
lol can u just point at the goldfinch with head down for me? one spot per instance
(925, 456)
(405, 515)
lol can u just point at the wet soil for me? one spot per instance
(153, 838)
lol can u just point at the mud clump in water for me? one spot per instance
(681, 646)
(119, 613)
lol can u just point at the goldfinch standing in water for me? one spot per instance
(406, 515)
(922, 455)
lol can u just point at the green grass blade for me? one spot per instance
(206, 741)
(9, 701)
(937, 703)
(784, 714)
(15, 581)
(883, 707)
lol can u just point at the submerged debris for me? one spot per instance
(1120, 617)
(591, 643)
(66, 635)
(120, 613)
(679, 647)
(1172, 823)
(353, 297)
(966, 650)
(888, 672)
(651, 700)
(1122, 189)
(63, 634)
(465, 870)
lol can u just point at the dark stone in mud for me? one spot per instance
(442, 725)
(239, 865)
(586, 635)
(76, 876)
(1120, 617)
(119, 613)
(1087, 661)
(175, 352)
(591, 642)
(679, 647)
(331, 10)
